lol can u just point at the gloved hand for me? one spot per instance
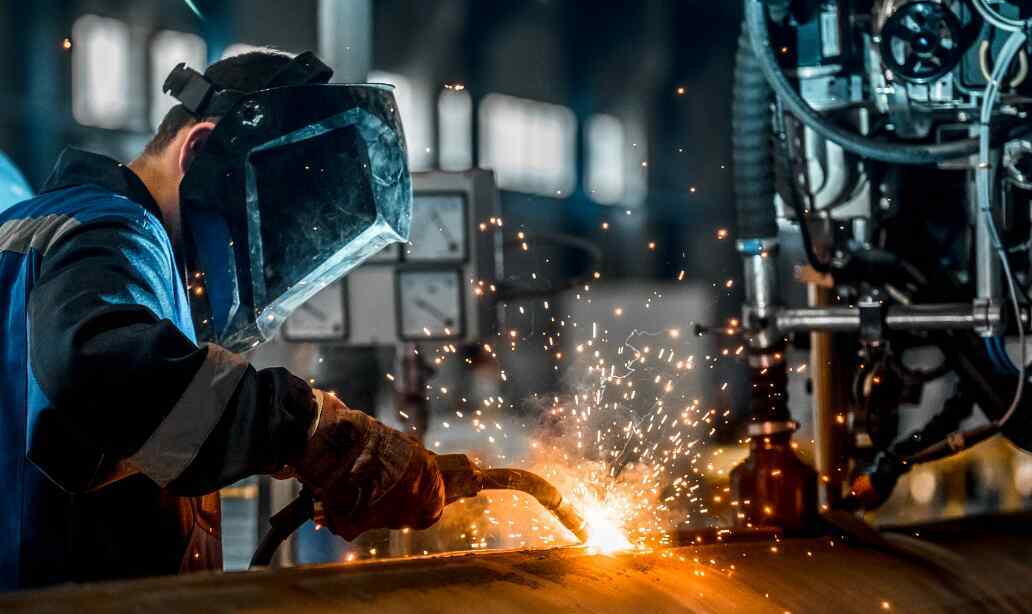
(367, 475)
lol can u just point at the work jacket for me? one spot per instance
(116, 428)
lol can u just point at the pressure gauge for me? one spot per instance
(322, 318)
(430, 304)
(438, 228)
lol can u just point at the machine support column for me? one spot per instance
(828, 400)
(773, 487)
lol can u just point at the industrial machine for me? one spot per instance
(892, 138)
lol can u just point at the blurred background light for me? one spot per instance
(100, 72)
(455, 130)
(530, 145)
(606, 164)
(167, 49)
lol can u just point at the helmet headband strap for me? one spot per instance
(203, 98)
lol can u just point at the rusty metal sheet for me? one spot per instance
(975, 565)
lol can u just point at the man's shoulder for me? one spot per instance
(53, 215)
(84, 203)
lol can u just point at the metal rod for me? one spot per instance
(899, 317)
(988, 270)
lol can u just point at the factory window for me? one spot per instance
(100, 72)
(455, 130)
(605, 164)
(530, 145)
(169, 48)
(416, 110)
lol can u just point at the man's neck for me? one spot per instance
(164, 191)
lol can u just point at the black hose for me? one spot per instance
(286, 521)
(931, 442)
(751, 129)
(894, 153)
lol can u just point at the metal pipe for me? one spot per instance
(946, 316)
(759, 264)
(988, 270)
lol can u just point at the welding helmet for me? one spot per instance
(298, 183)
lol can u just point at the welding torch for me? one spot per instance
(462, 479)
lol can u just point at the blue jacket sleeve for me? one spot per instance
(128, 391)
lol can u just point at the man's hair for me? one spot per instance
(247, 72)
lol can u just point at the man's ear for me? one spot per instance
(196, 136)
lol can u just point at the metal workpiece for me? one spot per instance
(972, 565)
(947, 316)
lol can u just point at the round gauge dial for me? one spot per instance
(430, 304)
(438, 228)
(322, 318)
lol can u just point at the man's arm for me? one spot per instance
(131, 389)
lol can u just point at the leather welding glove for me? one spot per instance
(367, 475)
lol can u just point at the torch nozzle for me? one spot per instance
(542, 490)
(462, 478)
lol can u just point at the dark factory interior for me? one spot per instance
(536, 305)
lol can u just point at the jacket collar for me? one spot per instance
(76, 167)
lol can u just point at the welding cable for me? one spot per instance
(751, 153)
(508, 291)
(281, 526)
(984, 192)
(996, 19)
(893, 153)
(1001, 350)
(1001, 363)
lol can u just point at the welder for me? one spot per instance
(128, 294)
